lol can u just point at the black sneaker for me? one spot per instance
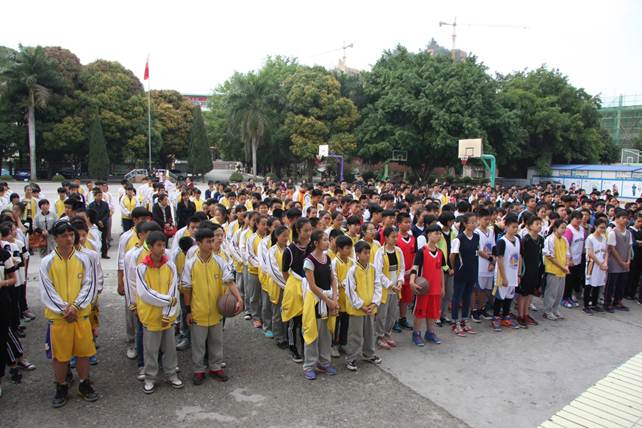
(588, 311)
(609, 309)
(60, 399)
(476, 316)
(296, 357)
(485, 315)
(69, 379)
(403, 323)
(86, 391)
(352, 366)
(282, 345)
(15, 375)
(596, 309)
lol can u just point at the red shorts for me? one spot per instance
(406, 292)
(428, 306)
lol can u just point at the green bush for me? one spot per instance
(59, 178)
(236, 177)
(272, 176)
(6, 178)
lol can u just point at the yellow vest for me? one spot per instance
(180, 264)
(207, 287)
(199, 204)
(66, 276)
(342, 269)
(158, 279)
(130, 204)
(365, 286)
(560, 250)
(374, 247)
(60, 208)
(386, 272)
(132, 241)
(273, 289)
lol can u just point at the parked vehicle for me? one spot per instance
(22, 174)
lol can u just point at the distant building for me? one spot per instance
(342, 66)
(198, 100)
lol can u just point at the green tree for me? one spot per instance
(173, 119)
(318, 114)
(423, 103)
(556, 122)
(248, 109)
(114, 91)
(28, 80)
(200, 157)
(98, 158)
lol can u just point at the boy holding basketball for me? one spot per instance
(204, 277)
(429, 264)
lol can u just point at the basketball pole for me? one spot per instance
(492, 167)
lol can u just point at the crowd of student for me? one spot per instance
(322, 270)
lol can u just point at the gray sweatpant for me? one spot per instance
(278, 327)
(130, 328)
(154, 343)
(386, 313)
(253, 295)
(318, 352)
(266, 311)
(448, 296)
(210, 339)
(553, 293)
(361, 337)
(246, 294)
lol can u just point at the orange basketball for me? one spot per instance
(227, 305)
(422, 286)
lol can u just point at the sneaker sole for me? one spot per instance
(88, 399)
(58, 406)
(181, 386)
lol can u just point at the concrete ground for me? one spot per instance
(509, 379)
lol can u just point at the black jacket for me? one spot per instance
(102, 211)
(183, 213)
(157, 214)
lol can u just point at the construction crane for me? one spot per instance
(454, 35)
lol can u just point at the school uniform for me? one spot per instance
(205, 279)
(532, 256)
(575, 279)
(595, 276)
(430, 264)
(390, 268)
(127, 205)
(363, 288)
(67, 281)
(157, 307)
(486, 243)
(127, 241)
(266, 284)
(292, 305)
(340, 270)
(7, 336)
(408, 246)
(617, 275)
(253, 283)
(556, 248)
(318, 323)
(275, 261)
(504, 292)
(466, 273)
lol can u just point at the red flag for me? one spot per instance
(146, 76)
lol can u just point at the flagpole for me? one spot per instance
(149, 119)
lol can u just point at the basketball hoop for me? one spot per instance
(463, 160)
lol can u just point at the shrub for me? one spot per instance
(236, 177)
(6, 178)
(59, 178)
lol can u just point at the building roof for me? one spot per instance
(586, 167)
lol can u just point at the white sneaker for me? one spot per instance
(141, 374)
(335, 352)
(148, 387)
(559, 316)
(223, 365)
(550, 316)
(175, 381)
(532, 307)
(131, 353)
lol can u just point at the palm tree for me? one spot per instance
(247, 102)
(28, 80)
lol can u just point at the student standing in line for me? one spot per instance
(597, 266)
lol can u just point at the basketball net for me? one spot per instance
(463, 160)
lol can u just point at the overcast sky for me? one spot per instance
(196, 45)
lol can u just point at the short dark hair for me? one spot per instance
(361, 246)
(343, 241)
(203, 233)
(156, 236)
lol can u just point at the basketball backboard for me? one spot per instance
(471, 148)
(399, 155)
(324, 150)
